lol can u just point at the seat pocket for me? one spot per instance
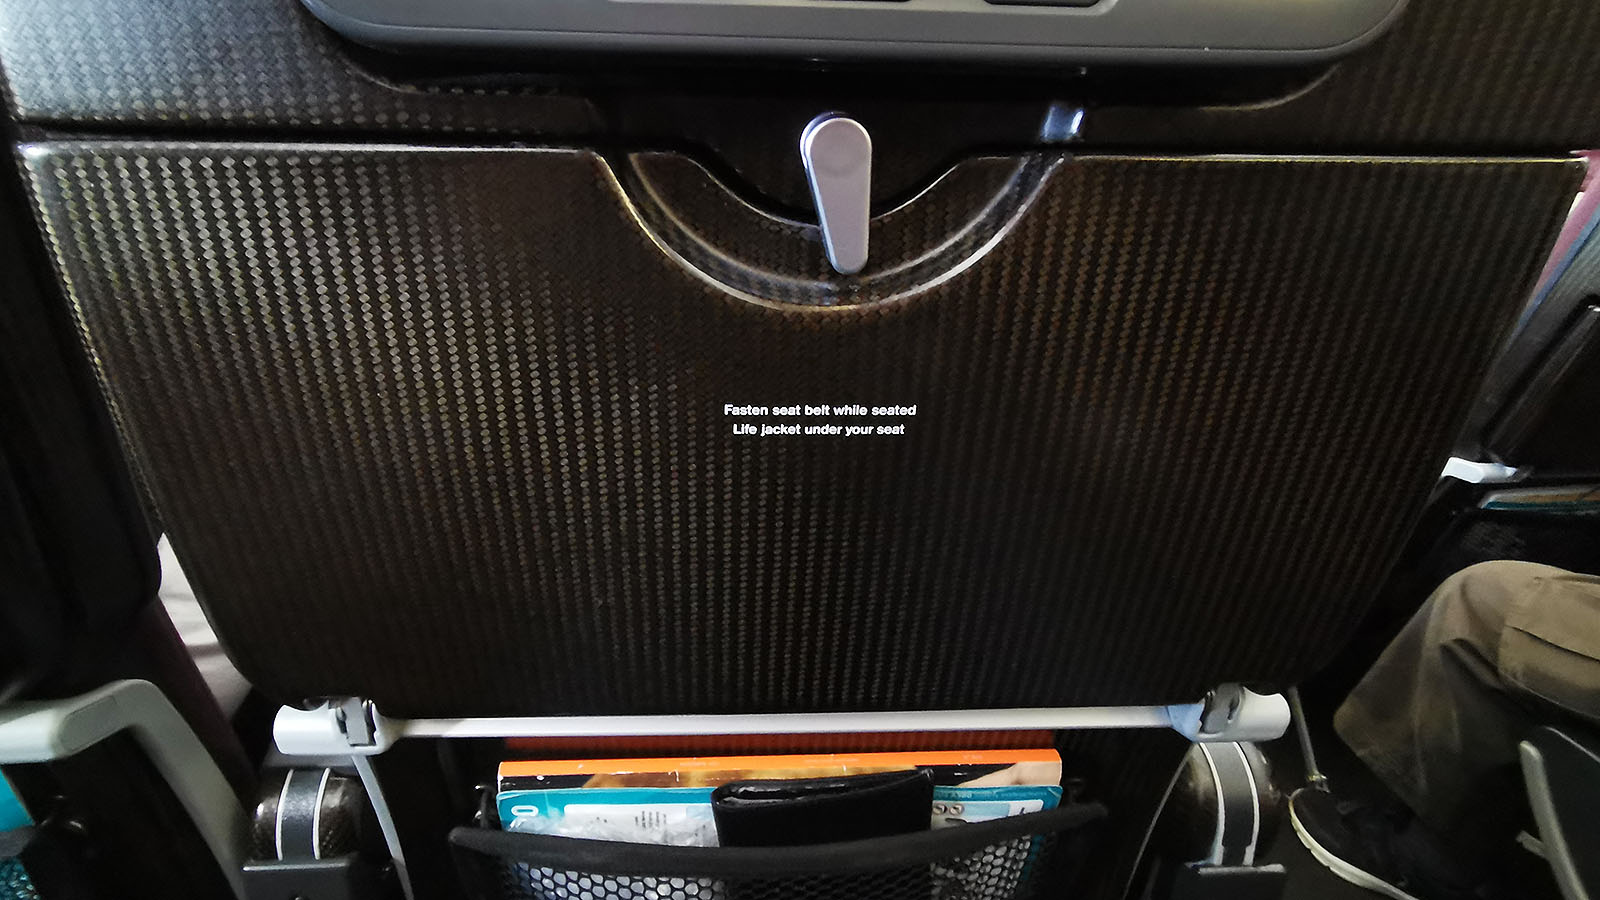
(1017, 858)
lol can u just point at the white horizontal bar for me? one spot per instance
(795, 723)
(317, 732)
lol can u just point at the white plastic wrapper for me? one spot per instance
(673, 824)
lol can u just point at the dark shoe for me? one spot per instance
(1384, 851)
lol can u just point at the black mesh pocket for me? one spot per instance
(14, 882)
(1017, 858)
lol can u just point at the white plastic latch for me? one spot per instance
(351, 727)
(837, 153)
(1232, 713)
(1474, 472)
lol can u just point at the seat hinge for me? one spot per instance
(1232, 712)
(356, 719)
(349, 726)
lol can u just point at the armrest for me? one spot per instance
(43, 731)
(1562, 772)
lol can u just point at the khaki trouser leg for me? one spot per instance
(1499, 648)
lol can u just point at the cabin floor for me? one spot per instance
(1349, 777)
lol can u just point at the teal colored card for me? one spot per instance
(12, 815)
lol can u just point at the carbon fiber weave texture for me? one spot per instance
(445, 428)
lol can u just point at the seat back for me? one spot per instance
(478, 433)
